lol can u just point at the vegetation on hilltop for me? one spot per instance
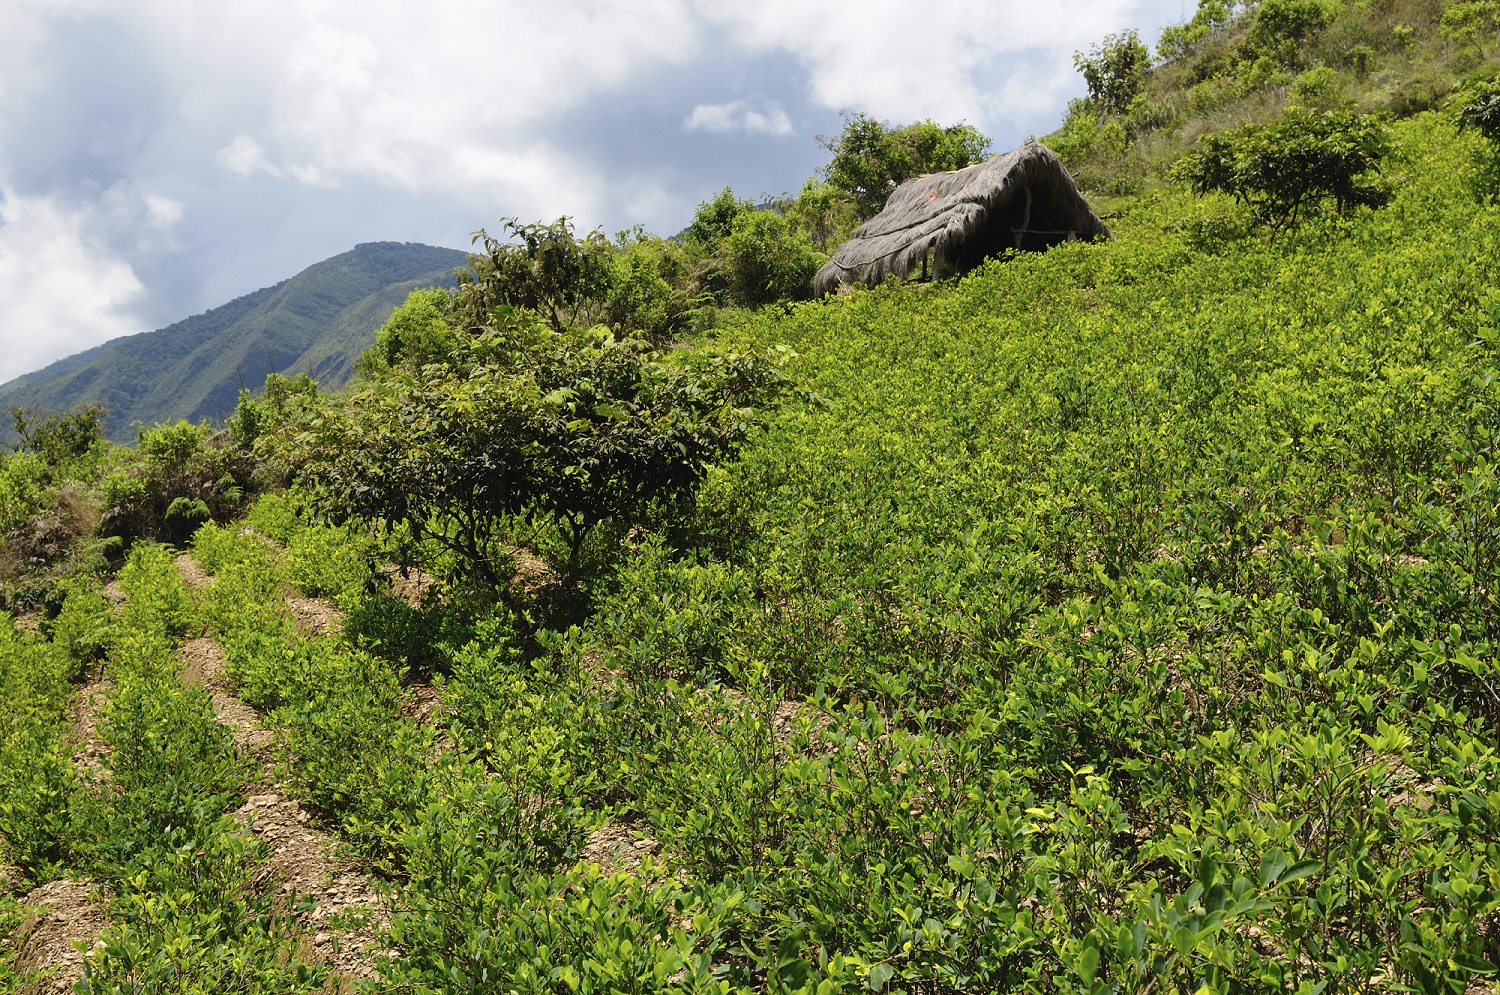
(1116, 619)
(318, 321)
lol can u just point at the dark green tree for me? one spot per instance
(714, 219)
(59, 437)
(543, 268)
(1281, 169)
(870, 159)
(1179, 39)
(1480, 110)
(524, 423)
(1114, 70)
(1288, 21)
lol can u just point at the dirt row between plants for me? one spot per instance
(301, 863)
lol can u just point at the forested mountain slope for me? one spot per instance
(318, 321)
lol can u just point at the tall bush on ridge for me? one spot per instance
(1282, 169)
(572, 429)
(871, 159)
(545, 268)
(1114, 70)
(1179, 39)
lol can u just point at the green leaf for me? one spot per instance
(1298, 871)
(1468, 962)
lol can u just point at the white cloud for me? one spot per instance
(162, 211)
(880, 59)
(62, 292)
(245, 157)
(451, 99)
(739, 116)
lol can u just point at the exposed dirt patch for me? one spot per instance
(315, 616)
(532, 572)
(422, 704)
(192, 574)
(89, 750)
(68, 913)
(301, 863)
(617, 848)
(30, 623)
(11, 877)
(410, 584)
(786, 718)
(203, 666)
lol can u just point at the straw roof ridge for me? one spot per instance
(951, 211)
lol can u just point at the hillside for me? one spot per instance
(318, 321)
(1122, 619)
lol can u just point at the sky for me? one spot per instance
(160, 157)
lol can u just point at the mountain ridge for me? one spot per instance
(317, 321)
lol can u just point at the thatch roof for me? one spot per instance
(1023, 199)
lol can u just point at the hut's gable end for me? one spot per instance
(1023, 199)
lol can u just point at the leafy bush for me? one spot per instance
(578, 429)
(38, 788)
(83, 626)
(1178, 40)
(1114, 70)
(1282, 169)
(1469, 20)
(279, 401)
(1282, 21)
(1480, 110)
(648, 289)
(546, 270)
(768, 260)
(185, 475)
(60, 440)
(1317, 87)
(870, 159)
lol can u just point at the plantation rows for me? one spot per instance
(1121, 619)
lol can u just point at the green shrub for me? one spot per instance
(1281, 21)
(330, 561)
(38, 788)
(1282, 169)
(1114, 70)
(83, 627)
(768, 260)
(185, 475)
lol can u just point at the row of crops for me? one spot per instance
(1121, 619)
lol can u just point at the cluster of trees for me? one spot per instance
(735, 252)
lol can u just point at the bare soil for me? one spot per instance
(617, 848)
(301, 866)
(203, 666)
(194, 575)
(89, 750)
(422, 704)
(68, 915)
(410, 584)
(315, 616)
(532, 572)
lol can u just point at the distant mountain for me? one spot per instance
(319, 322)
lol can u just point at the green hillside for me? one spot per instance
(1122, 619)
(318, 321)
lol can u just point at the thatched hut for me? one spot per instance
(1023, 199)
